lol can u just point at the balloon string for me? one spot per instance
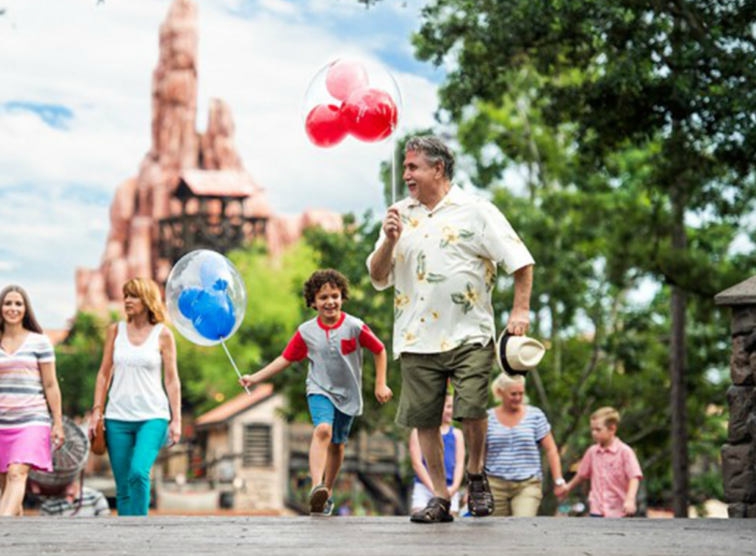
(223, 343)
(393, 170)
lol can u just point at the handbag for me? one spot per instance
(99, 446)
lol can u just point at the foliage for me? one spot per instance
(77, 361)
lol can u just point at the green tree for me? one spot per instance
(77, 360)
(671, 78)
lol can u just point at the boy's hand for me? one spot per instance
(383, 393)
(248, 380)
(629, 508)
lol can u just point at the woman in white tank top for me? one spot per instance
(140, 377)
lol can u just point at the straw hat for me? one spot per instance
(516, 355)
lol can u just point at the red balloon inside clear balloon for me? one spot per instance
(370, 114)
(325, 125)
(344, 77)
(368, 96)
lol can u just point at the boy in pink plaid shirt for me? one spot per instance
(612, 468)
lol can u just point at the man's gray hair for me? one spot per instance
(434, 150)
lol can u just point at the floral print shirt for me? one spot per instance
(444, 269)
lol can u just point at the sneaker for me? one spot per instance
(318, 499)
(328, 509)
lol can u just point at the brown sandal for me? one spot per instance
(480, 502)
(437, 511)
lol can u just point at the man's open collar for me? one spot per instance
(452, 197)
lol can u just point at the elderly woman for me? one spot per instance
(516, 434)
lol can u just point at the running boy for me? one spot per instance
(332, 343)
(612, 468)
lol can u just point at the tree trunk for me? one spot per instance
(678, 367)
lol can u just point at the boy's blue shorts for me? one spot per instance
(322, 410)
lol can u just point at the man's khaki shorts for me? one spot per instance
(424, 385)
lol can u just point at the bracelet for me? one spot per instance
(560, 481)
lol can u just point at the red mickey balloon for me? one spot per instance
(370, 114)
(325, 125)
(345, 76)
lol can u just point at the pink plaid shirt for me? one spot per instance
(610, 471)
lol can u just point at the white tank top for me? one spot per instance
(136, 393)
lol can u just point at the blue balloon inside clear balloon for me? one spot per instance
(213, 314)
(206, 297)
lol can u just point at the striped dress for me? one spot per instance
(514, 453)
(22, 397)
(24, 417)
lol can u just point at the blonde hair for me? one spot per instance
(609, 416)
(149, 292)
(504, 381)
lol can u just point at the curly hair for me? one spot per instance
(319, 279)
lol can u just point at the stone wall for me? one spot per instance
(739, 453)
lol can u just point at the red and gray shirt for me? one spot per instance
(335, 359)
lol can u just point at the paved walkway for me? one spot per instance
(393, 536)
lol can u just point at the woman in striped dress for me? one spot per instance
(28, 385)
(517, 433)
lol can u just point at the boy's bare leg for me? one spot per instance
(432, 447)
(475, 431)
(321, 440)
(333, 465)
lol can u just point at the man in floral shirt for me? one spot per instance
(439, 248)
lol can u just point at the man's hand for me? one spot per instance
(392, 225)
(383, 393)
(519, 322)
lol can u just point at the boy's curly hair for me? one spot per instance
(319, 279)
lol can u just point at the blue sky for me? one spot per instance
(75, 115)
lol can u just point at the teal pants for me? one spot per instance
(133, 447)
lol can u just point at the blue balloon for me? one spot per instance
(214, 315)
(186, 301)
(204, 294)
(214, 274)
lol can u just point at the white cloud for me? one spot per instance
(97, 61)
(279, 7)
